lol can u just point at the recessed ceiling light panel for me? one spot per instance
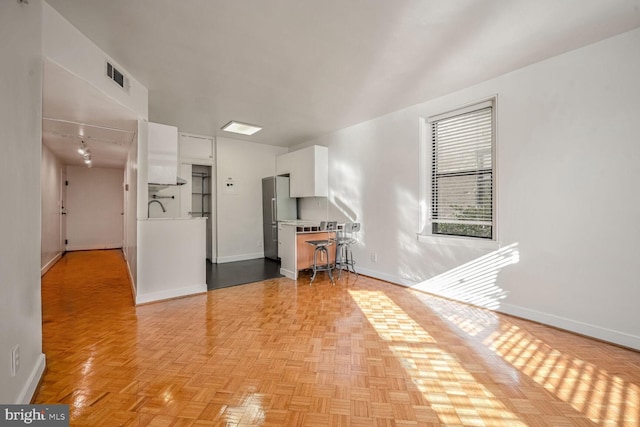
(242, 128)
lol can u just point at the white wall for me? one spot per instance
(141, 178)
(171, 206)
(239, 221)
(72, 50)
(94, 208)
(20, 139)
(171, 259)
(567, 174)
(130, 248)
(52, 176)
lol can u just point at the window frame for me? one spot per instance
(426, 178)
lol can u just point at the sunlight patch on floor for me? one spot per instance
(592, 391)
(452, 391)
(600, 395)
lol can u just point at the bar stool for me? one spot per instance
(321, 247)
(344, 240)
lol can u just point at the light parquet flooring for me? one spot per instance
(283, 353)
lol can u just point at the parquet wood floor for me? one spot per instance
(283, 353)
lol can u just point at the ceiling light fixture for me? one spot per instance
(242, 128)
(83, 149)
(85, 153)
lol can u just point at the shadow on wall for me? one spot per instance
(345, 210)
(475, 281)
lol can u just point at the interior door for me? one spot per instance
(94, 208)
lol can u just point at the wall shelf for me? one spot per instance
(199, 192)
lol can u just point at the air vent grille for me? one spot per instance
(117, 77)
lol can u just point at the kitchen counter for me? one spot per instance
(294, 251)
(184, 218)
(306, 226)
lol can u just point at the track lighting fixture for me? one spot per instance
(85, 153)
(83, 149)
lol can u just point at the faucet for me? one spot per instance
(149, 206)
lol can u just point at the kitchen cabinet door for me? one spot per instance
(162, 154)
(287, 250)
(308, 171)
(198, 149)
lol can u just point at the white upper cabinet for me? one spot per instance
(308, 171)
(284, 163)
(162, 154)
(196, 149)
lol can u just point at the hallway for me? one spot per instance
(283, 353)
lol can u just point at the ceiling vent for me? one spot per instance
(117, 77)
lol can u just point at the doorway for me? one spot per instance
(88, 141)
(94, 208)
(197, 199)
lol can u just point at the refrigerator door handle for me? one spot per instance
(273, 209)
(274, 233)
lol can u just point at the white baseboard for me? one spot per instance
(234, 258)
(593, 331)
(131, 281)
(29, 390)
(170, 293)
(93, 247)
(50, 264)
(288, 273)
(386, 277)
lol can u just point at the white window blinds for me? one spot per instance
(462, 172)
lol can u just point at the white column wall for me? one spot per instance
(567, 174)
(52, 175)
(20, 139)
(130, 247)
(239, 219)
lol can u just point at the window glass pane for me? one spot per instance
(465, 230)
(462, 174)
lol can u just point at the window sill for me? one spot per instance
(467, 242)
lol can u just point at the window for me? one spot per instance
(462, 172)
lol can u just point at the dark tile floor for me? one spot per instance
(241, 272)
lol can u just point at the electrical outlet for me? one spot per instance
(259, 243)
(15, 360)
(374, 257)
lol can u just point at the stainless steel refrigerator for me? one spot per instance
(276, 206)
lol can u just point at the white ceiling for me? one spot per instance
(303, 68)
(74, 111)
